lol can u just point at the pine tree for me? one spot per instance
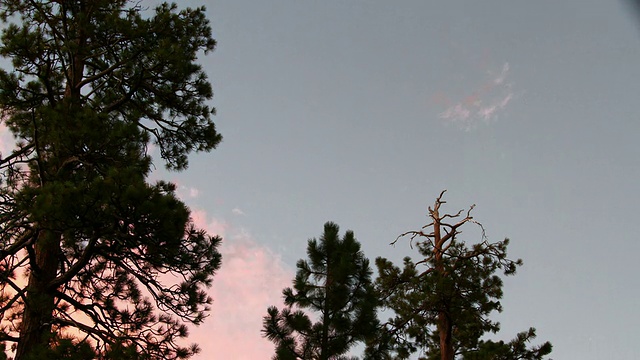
(443, 301)
(92, 256)
(336, 284)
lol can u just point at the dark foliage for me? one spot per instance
(92, 256)
(336, 285)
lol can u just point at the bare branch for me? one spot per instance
(84, 259)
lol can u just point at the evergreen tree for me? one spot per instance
(442, 302)
(336, 284)
(92, 256)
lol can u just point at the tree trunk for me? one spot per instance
(445, 328)
(326, 316)
(38, 310)
(445, 332)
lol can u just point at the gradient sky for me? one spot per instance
(361, 111)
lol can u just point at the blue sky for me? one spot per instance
(361, 112)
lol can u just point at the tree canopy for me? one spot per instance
(442, 302)
(91, 254)
(335, 283)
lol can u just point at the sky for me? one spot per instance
(362, 111)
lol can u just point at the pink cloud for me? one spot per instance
(484, 104)
(250, 280)
(6, 140)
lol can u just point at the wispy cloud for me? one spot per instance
(503, 75)
(458, 111)
(489, 112)
(187, 191)
(251, 279)
(483, 104)
(237, 211)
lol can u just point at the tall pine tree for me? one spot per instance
(443, 301)
(92, 256)
(336, 285)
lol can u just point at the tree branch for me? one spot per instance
(84, 259)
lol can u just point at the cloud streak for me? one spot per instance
(250, 280)
(483, 104)
(503, 74)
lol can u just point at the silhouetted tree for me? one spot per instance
(91, 255)
(442, 302)
(336, 285)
